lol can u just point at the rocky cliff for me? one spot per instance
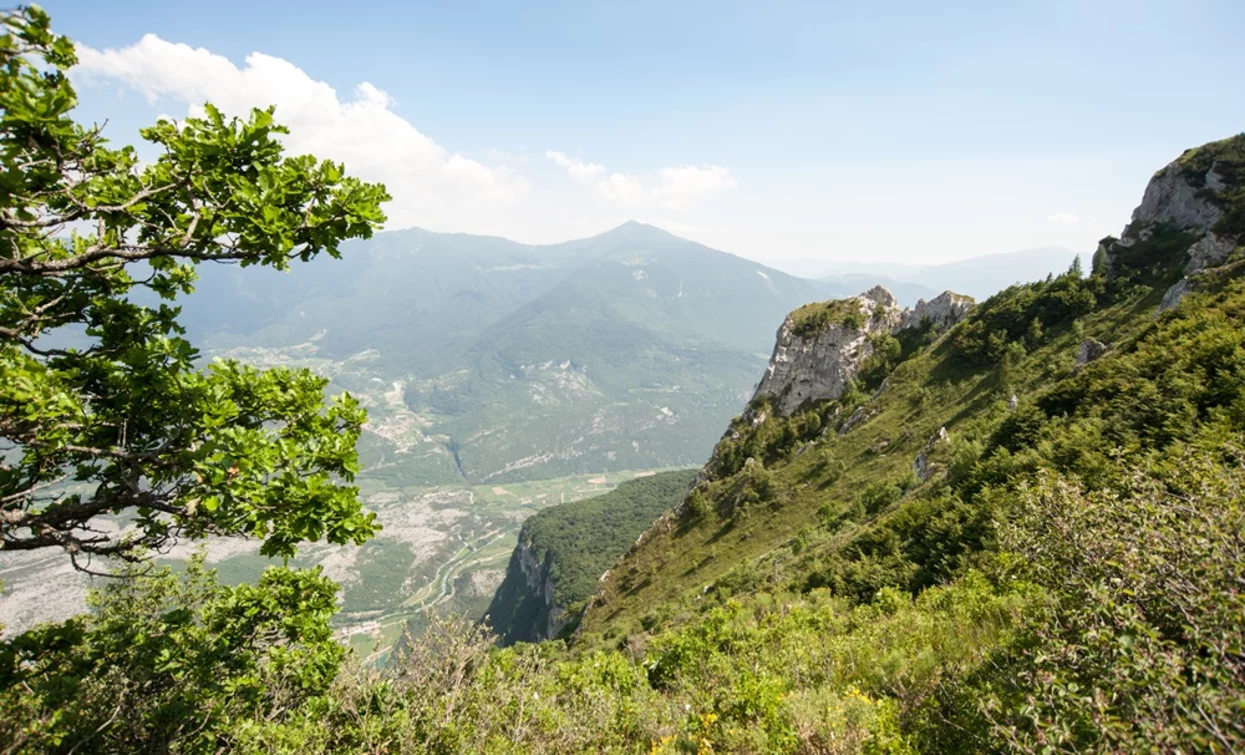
(821, 347)
(1196, 206)
(939, 313)
(524, 608)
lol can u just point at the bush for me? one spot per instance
(168, 658)
(879, 495)
(887, 352)
(1141, 651)
(1027, 310)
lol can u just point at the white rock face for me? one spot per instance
(818, 366)
(1170, 198)
(1187, 202)
(1212, 250)
(941, 312)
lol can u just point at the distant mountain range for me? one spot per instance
(485, 360)
(978, 277)
(482, 359)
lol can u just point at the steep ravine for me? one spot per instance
(564, 550)
(524, 608)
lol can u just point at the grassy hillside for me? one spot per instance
(568, 546)
(816, 507)
(1065, 575)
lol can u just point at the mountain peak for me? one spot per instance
(633, 229)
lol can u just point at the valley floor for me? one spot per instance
(442, 549)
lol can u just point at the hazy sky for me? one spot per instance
(914, 132)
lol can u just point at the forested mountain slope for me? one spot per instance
(564, 549)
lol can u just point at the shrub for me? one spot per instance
(168, 658)
(1009, 316)
(879, 495)
(1141, 652)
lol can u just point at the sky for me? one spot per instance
(906, 132)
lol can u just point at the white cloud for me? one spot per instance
(575, 168)
(624, 190)
(674, 188)
(1064, 218)
(482, 191)
(680, 185)
(431, 185)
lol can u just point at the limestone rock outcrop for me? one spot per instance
(1196, 194)
(1171, 198)
(533, 614)
(1089, 350)
(1212, 250)
(941, 312)
(821, 347)
(816, 361)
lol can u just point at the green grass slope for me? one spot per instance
(1066, 577)
(803, 501)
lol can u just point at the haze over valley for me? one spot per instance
(499, 378)
(790, 378)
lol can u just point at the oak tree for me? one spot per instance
(115, 437)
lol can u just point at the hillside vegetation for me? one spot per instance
(564, 549)
(1022, 533)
